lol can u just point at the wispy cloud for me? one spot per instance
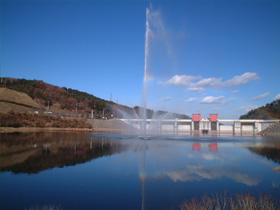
(197, 83)
(165, 99)
(260, 96)
(209, 83)
(235, 91)
(238, 80)
(181, 80)
(248, 108)
(215, 100)
(276, 97)
(190, 100)
(212, 100)
(195, 89)
(241, 80)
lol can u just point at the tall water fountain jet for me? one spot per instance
(144, 97)
(152, 126)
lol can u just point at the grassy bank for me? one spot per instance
(31, 129)
(214, 202)
(237, 202)
(18, 120)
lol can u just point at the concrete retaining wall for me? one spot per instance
(108, 124)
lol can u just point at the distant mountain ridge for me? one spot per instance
(69, 101)
(269, 111)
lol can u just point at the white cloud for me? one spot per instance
(235, 81)
(241, 80)
(165, 99)
(195, 89)
(197, 83)
(181, 80)
(212, 100)
(209, 83)
(235, 91)
(190, 100)
(276, 97)
(260, 96)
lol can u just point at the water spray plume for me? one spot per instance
(152, 23)
(145, 70)
(146, 43)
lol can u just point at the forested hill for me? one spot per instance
(69, 101)
(61, 99)
(269, 111)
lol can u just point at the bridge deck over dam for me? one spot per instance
(204, 126)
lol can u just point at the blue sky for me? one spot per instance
(204, 56)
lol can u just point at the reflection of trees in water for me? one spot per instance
(13, 139)
(271, 153)
(52, 150)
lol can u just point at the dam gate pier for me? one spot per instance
(204, 126)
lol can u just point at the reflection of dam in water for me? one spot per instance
(212, 146)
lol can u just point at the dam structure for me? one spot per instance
(203, 126)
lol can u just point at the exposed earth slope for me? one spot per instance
(17, 101)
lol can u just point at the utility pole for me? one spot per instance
(111, 97)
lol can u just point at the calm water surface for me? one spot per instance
(86, 171)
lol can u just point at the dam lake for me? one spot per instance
(76, 170)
